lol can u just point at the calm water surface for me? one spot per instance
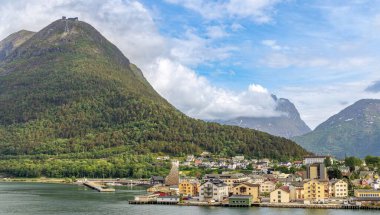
(32, 198)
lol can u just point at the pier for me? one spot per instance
(98, 187)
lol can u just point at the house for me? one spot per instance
(376, 185)
(238, 158)
(168, 200)
(205, 154)
(190, 158)
(267, 187)
(229, 179)
(338, 189)
(157, 180)
(247, 189)
(296, 191)
(366, 174)
(240, 200)
(280, 195)
(187, 188)
(316, 190)
(256, 179)
(213, 190)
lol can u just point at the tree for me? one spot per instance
(327, 162)
(352, 162)
(334, 173)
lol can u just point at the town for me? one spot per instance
(314, 182)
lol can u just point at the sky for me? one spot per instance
(225, 58)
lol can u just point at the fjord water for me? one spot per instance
(34, 198)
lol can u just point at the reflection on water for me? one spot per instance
(31, 198)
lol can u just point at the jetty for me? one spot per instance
(98, 187)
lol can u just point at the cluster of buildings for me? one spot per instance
(263, 185)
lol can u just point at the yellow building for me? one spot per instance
(316, 190)
(267, 186)
(280, 195)
(316, 171)
(247, 189)
(187, 188)
(366, 193)
(338, 189)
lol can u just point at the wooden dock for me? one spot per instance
(98, 187)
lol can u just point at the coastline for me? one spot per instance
(39, 180)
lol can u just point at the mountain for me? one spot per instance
(67, 93)
(287, 125)
(355, 131)
(13, 41)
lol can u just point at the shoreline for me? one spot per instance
(265, 205)
(42, 180)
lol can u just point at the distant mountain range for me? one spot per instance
(287, 125)
(355, 131)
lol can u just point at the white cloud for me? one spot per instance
(165, 61)
(197, 97)
(272, 44)
(284, 60)
(259, 11)
(216, 32)
(319, 102)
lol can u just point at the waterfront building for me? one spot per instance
(147, 198)
(316, 190)
(280, 195)
(338, 189)
(267, 187)
(249, 189)
(214, 189)
(366, 193)
(316, 171)
(167, 199)
(188, 188)
(240, 200)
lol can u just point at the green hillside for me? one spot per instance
(70, 99)
(355, 131)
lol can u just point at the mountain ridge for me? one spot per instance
(73, 92)
(354, 131)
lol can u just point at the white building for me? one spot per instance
(167, 199)
(338, 189)
(316, 159)
(215, 190)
